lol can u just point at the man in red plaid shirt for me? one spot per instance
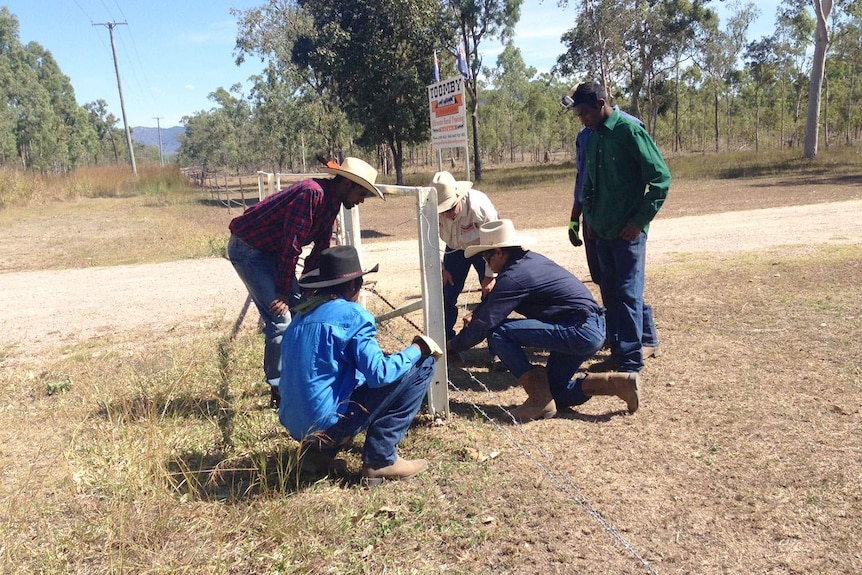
(267, 240)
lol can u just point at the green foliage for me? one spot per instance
(43, 127)
(376, 56)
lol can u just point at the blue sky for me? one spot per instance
(174, 53)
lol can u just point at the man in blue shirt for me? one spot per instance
(340, 383)
(560, 315)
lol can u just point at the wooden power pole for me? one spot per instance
(159, 128)
(110, 26)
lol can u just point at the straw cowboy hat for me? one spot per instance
(338, 264)
(497, 234)
(448, 190)
(357, 171)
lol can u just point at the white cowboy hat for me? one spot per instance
(448, 190)
(497, 234)
(356, 171)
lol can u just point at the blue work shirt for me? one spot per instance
(535, 287)
(327, 352)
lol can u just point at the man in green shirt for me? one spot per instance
(626, 183)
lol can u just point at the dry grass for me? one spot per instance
(154, 453)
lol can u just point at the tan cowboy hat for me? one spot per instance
(498, 234)
(448, 190)
(338, 264)
(357, 171)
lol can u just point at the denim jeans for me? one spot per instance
(592, 258)
(459, 267)
(622, 265)
(650, 335)
(384, 413)
(257, 271)
(570, 345)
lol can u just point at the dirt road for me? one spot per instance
(45, 311)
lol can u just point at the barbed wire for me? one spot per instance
(544, 462)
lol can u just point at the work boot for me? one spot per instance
(650, 351)
(401, 469)
(622, 385)
(540, 403)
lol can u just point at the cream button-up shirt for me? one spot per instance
(463, 230)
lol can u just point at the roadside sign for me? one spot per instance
(448, 113)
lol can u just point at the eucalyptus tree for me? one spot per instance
(368, 59)
(822, 11)
(74, 137)
(794, 32)
(551, 127)
(847, 59)
(632, 44)
(287, 123)
(719, 55)
(845, 15)
(762, 65)
(477, 21)
(218, 138)
(274, 33)
(40, 114)
(105, 126)
(511, 78)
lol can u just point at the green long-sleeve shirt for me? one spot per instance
(627, 179)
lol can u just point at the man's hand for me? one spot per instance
(630, 232)
(574, 230)
(467, 319)
(487, 285)
(447, 277)
(278, 306)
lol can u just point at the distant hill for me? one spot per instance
(150, 137)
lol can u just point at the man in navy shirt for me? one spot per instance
(267, 240)
(559, 315)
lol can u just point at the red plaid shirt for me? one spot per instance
(287, 221)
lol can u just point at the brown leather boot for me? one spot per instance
(540, 404)
(622, 385)
(650, 351)
(401, 469)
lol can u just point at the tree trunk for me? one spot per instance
(826, 115)
(398, 157)
(716, 107)
(757, 121)
(676, 109)
(850, 104)
(822, 8)
(477, 159)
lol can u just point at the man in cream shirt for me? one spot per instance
(462, 211)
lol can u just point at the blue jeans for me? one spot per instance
(459, 267)
(622, 265)
(592, 257)
(384, 413)
(570, 344)
(650, 335)
(257, 271)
